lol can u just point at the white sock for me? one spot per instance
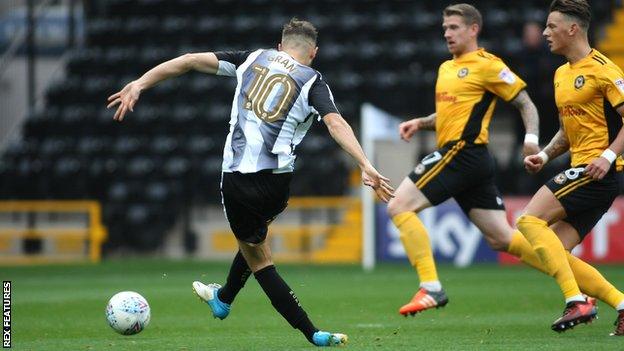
(620, 306)
(579, 298)
(433, 286)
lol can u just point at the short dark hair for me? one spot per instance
(578, 9)
(299, 30)
(469, 13)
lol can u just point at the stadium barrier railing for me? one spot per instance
(312, 230)
(50, 231)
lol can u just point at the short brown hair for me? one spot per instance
(299, 30)
(469, 13)
(578, 9)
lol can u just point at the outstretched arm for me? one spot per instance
(127, 97)
(408, 128)
(340, 130)
(530, 118)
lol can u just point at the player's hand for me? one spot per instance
(126, 98)
(533, 163)
(408, 128)
(379, 183)
(530, 149)
(598, 168)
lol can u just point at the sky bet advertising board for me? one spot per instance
(456, 240)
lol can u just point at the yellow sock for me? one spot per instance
(521, 248)
(593, 283)
(415, 239)
(550, 251)
(589, 280)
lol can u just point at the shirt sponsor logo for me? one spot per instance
(445, 97)
(571, 111)
(507, 76)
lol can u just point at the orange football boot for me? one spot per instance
(423, 300)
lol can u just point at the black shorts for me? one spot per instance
(461, 170)
(252, 200)
(585, 200)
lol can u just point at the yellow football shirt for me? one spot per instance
(466, 92)
(587, 94)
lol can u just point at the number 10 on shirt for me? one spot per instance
(261, 89)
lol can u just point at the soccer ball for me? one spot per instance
(128, 313)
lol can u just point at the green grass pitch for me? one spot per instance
(491, 308)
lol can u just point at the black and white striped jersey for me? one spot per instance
(275, 102)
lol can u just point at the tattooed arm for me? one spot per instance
(427, 123)
(530, 118)
(557, 146)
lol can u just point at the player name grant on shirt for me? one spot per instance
(286, 62)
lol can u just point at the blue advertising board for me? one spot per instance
(453, 237)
